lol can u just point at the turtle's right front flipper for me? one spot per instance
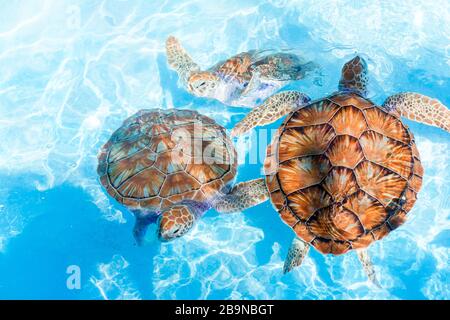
(179, 59)
(271, 110)
(420, 108)
(242, 196)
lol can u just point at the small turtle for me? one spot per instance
(242, 80)
(343, 172)
(170, 167)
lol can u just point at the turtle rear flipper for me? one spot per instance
(420, 108)
(179, 59)
(297, 252)
(141, 226)
(277, 69)
(284, 67)
(364, 257)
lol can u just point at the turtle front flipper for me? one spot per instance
(176, 221)
(364, 257)
(242, 196)
(297, 252)
(354, 76)
(271, 110)
(179, 60)
(420, 108)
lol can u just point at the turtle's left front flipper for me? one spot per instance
(420, 108)
(179, 59)
(242, 196)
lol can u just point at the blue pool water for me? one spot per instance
(72, 71)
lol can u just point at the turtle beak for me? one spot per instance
(166, 235)
(164, 231)
(358, 60)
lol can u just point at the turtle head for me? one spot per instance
(354, 76)
(203, 84)
(175, 222)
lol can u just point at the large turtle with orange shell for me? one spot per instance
(343, 172)
(169, 167)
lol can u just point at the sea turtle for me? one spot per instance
(170, 167)
(242, 80)
(341, 171)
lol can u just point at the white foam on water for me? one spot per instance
(15, 210)
(378, 27)
(12, 223)
(437, 286)
(198, 257)
(112, 282)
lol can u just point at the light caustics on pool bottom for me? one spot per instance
(71, 72)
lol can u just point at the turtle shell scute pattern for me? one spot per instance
(343, 172)
(158, 158)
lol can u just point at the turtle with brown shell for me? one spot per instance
(169, 167)
(242, 80)
(343, 172)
